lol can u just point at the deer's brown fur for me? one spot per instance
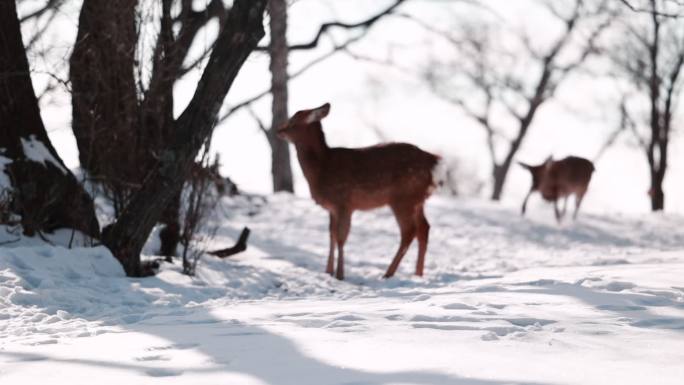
(560, 179)
(343, 180)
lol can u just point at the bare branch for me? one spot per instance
(50, 6)
(364, 25)
(634, 8)
(258, 120)
(293, 75)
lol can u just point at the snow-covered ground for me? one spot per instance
(505, 300)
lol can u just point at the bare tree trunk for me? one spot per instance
(157, 109)
(281, 168)
(169, 236)
(499, 174)
(658, 143)
(104, 98)
(45, 193)
(500, 171)
(656, 192)
(239, 37)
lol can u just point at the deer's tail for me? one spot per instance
(440, 173)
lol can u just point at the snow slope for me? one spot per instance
(505, 300)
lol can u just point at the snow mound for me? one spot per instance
(40, 286)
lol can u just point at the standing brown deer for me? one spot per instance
(343, 180)
(559, 179)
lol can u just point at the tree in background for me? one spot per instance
(502, 75)
(42, 191)
(650, 56)
(281, 170)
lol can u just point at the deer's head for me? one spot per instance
(304, 125)
(538, 172)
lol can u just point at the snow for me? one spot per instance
(505, 300)
(36, 151)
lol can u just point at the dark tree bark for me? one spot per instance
(45, 192)
(169, 235)
(120, 133)
(281, 169)
(121, 130)
(238, 38)
(104, 98)
(158, 122)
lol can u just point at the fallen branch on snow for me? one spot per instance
(240, 246)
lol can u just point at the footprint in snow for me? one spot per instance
(421, 297)
(158, 357)
(458, 306)
(160, 372)
(620, 307)
(619, 286)
(661, 323)
(32, 358)
(491, 336)
(173, 346)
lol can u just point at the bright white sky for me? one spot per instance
(365, 95)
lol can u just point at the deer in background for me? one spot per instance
(559, 179)
(343, 180)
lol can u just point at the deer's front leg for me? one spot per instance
(557, 211)
(330, 269)
(343, 226)
(524, 205)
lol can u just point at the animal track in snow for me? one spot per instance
(173, 346)
(496, 327)
(329, 320)
(161, 372)
(158, 357)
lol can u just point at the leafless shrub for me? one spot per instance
(6, 215)
(199, 198)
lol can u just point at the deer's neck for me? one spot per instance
(312, 156)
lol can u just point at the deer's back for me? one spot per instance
(370, 177)
(567, 176)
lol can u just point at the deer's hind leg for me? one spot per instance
(556, 210)
(423, 232)
(565, 206)
(405, 216)
(578, 202)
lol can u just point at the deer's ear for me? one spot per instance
(548, 163)
(317, 114)
(525, 165)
